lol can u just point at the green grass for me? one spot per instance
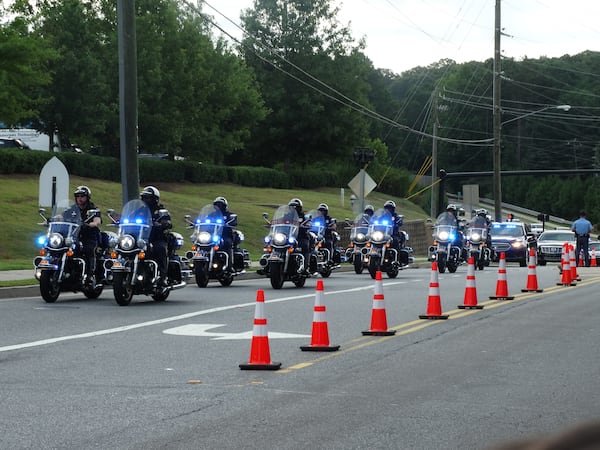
(19, 202)
(28, 282)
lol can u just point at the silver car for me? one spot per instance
(550, 244)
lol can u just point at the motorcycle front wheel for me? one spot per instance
(277, 276)
(122, 289)
(441, 263)
(393, 273)
(373, 267)
(358, 264)
(201, 273)
(49, 286)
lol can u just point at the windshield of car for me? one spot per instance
(566, 236)
(507, 230)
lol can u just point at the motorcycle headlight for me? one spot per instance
(204, 237)
(361, 237)
(127, 242)
(279, 239)
(443, 235)
(475, 237)
(55, 240)
(377, 236)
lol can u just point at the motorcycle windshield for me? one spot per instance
(285, 222)
(381, 225)
(317, 222)
(360, 228)
(67, 224)
(477, 231)
(208, 226)
(136, 220)
(445, 227)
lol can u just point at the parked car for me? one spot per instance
(12, 143)
(512, 239)
(550, 244)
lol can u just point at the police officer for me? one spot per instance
(330, 227)
(397, 237)
(458, 240)
(582, 229)
(368, 212)
(303, 236)
(230, 220)
(89, 233)
(161, 223)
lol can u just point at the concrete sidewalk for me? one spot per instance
(13, 275)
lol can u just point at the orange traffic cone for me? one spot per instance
(319, 341)
(593, 262)
(532, 282)
(573, 264)
(565, 279)
(580, 259)
(434, 304)
(378, 316)
(260, 355)
(501, 284)
(470, 299)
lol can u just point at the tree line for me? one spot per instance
(297, 91)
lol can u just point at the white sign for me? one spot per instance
(54, 185)
(34, 139)
(355, 184)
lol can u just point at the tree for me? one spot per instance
(305, 63)
(24, 72)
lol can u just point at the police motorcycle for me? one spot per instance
(382, 255)
(60, 265)
(131, 270)
(206, 259)
(283, 259)
(357, 251)
(476, 242)
(444, 249)
(327, 260)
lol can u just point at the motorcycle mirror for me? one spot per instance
(110, 212)
(265, 215)
(42, 211)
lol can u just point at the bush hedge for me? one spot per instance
(17, 161)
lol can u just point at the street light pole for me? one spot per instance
(497, 112)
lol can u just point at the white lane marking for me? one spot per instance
(201, 330)
(150, 323)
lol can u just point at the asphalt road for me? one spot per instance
(87, 374)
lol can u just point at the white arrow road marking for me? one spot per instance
(201, 329)
(135, 326)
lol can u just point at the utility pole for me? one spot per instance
(497, 111)
(434, 157)
(128, 123)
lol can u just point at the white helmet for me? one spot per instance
(83, 190)
(150, 191)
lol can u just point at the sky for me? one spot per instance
(403, 34)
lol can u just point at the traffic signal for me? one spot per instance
(543, 217)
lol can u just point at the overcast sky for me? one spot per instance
(402, 34)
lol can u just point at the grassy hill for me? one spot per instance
(19, 202)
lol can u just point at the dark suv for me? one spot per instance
(512, 239)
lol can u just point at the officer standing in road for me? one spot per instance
(582, 229)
